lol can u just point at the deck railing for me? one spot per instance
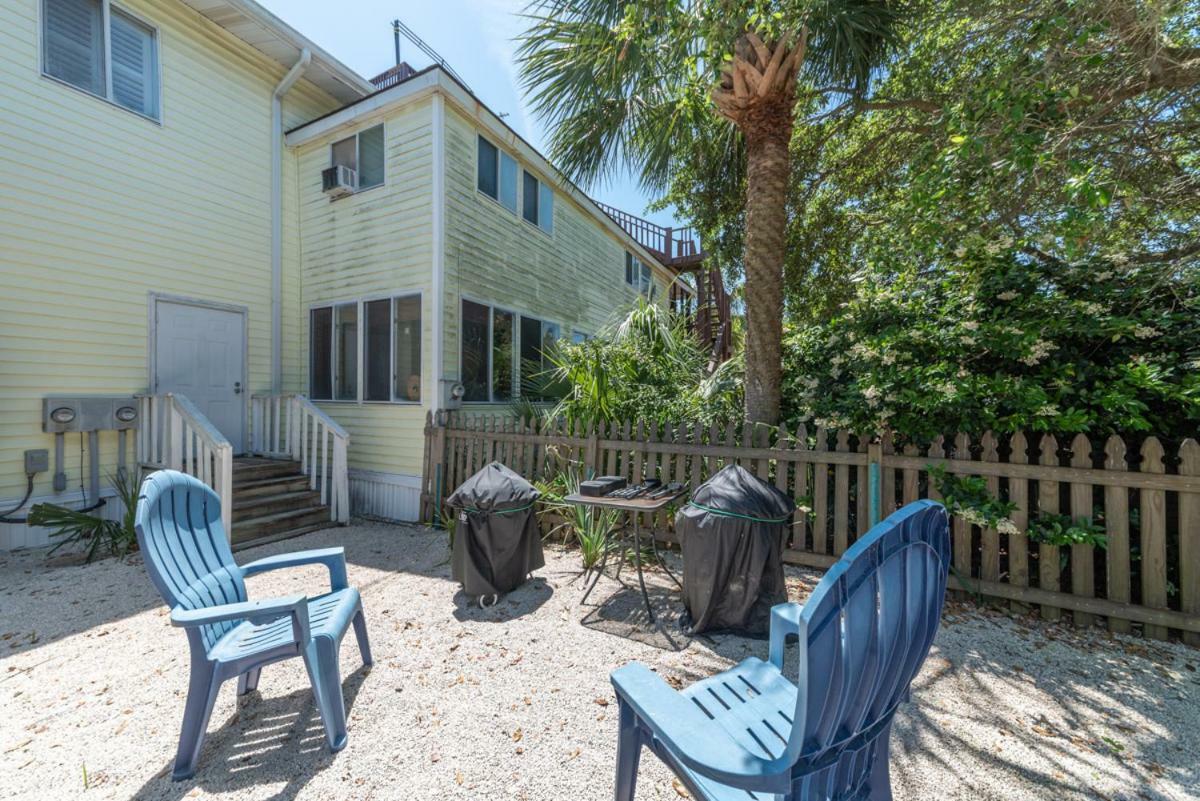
(670, 244)
(173, 434)
(290, 426)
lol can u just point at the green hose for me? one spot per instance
(723, 513)
(498, 511)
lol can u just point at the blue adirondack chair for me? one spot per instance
(188, 557)
(750, 733)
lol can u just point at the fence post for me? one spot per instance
(874, 481)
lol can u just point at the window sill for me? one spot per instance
(105, 100)
(494, 201)
(358, 192)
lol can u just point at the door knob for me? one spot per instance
(237, 387)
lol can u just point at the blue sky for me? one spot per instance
(476, 37)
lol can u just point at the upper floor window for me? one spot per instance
(363, 153)
(638, 275)
(538, 203)
(497, 175)
(74, 51)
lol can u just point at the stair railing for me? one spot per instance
(290, 426)
(173, 434)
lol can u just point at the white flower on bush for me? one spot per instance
(1103, 275)
(971, 325)
(966, 340)
(1038, 351)
(1093, 308)
(1010, 294)
(1119, 259)
(889, 358)
(947, 388)
(1007, 526)
(1048, 410)
(838, 359)
(960, 252)
(872, 394)
(1146, 331)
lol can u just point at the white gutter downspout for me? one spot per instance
(292, 76)
(438, 223)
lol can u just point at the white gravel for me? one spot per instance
(514, 702)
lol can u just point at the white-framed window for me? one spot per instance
(497, 175)
(385, 331)
(638, 274)
(363, 153)
(103, 50)
(537, 202)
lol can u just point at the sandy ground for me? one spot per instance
(514, 702)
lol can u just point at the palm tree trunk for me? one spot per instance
(767, 133)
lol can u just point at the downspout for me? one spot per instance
(438, 223)
(292, 76)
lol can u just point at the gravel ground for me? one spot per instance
(514, 702)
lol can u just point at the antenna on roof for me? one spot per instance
(399, 27)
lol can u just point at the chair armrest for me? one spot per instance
(785, 620)
(295, 606)
(332, 558)
(687, 732)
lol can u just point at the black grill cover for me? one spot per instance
(497, 542)
(731, 534)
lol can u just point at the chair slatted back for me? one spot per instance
(186, 552)
(866, 630)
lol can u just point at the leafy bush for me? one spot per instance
(97, 535)
(1005, 343)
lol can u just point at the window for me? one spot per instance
(578, 337)
(391, 350)
(537, 203)
(537, 338)
(73, 51)
(362, 153)
(497, 175)
(487, 352)
(638, 275)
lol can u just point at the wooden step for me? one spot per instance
(280, 522)
(268, 486)
(253, 469)
(251, 506)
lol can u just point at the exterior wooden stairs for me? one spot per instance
(273, 500)
(705, 301)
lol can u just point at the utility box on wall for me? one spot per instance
(94, 413)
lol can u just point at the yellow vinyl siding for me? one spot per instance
(375, 243)
(100, 207)
(574, 277)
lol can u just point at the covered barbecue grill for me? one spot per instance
(732, 533)
(497, 543)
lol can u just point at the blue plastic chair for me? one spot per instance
(188, 557)
(750, 733)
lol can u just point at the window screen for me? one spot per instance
(545, 218)
(475, 345)
(529, 199)
(377, 350)
(408, 348)
(370, 157)
(134, 65)
(508, 182)
(320, 336)
(488, 156)
(502, 355)
(73, 43)
(345, 349)
(345, 153)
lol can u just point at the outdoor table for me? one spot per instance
(635, 507)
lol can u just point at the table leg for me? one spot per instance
(661, 562)
(637, 561)
(596, 577)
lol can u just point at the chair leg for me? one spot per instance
(248, 681)
(360, 634)
(202, 694)
(327, 687)
(881, 779)
(629, 752)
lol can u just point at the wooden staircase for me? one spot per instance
(273, 500)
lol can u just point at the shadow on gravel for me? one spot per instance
(524, 600)
(268, 741)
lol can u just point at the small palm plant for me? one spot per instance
(97, 535)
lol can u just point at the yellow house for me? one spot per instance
(220, 242)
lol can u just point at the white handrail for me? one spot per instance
(290, 426)
(173, 434)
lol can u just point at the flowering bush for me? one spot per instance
(1006, 343)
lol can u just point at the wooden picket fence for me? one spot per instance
(1149, 502)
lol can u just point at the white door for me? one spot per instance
(200, 352)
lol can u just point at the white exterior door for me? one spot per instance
(200, 352)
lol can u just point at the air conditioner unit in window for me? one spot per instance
(338, 181)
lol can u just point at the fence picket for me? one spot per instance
(1116, 526)
(1083, 557)
(1153, 504)
(1189, 538)
(962, 529)
(861, 511)
(989, 539)
(800, 491)
(1049, 571)
(1018, 544)
(841, 497)
(820, 492)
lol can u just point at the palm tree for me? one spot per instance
(637, 84)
